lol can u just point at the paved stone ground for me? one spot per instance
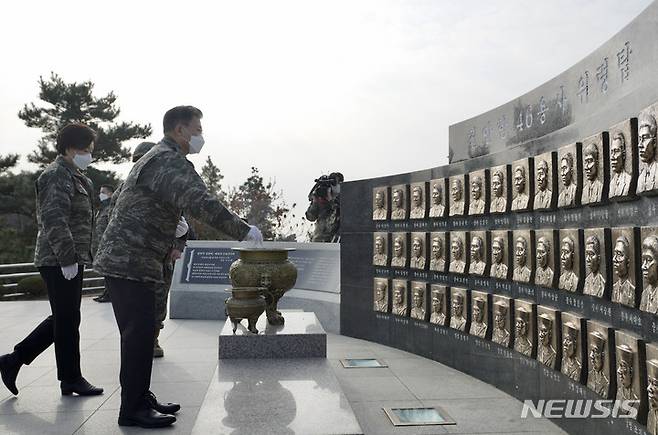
(189, 365)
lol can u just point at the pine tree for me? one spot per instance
(61, 103)
(75, 102)
(8, 162)
(18, 227)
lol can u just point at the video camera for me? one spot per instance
(324, 183)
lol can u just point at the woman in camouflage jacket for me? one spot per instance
(65, 220)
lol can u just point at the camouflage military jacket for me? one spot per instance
(326, 216)
(64, 216)
(101, 221)
(143, 221)
(178, 243)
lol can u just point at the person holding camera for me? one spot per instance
(324, 209)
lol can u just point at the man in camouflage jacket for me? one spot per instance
(137, 242)
(101, 220)
(178, 245)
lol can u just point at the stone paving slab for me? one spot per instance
(275, 396)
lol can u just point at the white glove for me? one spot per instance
(70, 271)
(254, 235)
(182, 227)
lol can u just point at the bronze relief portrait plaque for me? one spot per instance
(572, 347)
(380, 203)
(418, 251)
(545, 257)
(570, 258)
(548, 336)
(596, 262)
(623, 160)
(458, 195)
(599, 357)
(380, 249)
(625, 283)
(524, 327)
(500, 188)
(478, 192)
(438, 251)
(399, 251)
(439, 305)
(652, 387)
(522, 185)
(647, 182)
(418, 300)
(418, 201)
(400, 300)
(478, 249)
(502, 320)
(545, 182)
(500, 255)
(458, 307)
(523, 258)
(570, 177)
(595, 170)
(479, 314)
(649, 267)
(458, 252)
(438, 198)
(399, 202)
(380, 295)
(631, 379)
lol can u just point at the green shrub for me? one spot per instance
(34, 285)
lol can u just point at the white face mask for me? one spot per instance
(103, 196)
(82, 160)
(336, 189)
(196, 143)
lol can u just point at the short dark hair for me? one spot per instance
(75, 135)
(107, 186)
(179, 115)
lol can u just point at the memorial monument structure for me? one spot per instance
(541, 237)
(201, 281)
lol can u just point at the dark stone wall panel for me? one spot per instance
(573, 114)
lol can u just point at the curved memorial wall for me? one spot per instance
(531, 261)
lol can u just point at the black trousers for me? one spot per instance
(61, 328)
(134, 309)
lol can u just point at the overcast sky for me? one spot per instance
(301, 88)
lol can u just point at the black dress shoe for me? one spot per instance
(163, 408)
(81, 387)
(105, 297)
(9, 367)
(147, 419)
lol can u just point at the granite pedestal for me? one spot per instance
(302, 336)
